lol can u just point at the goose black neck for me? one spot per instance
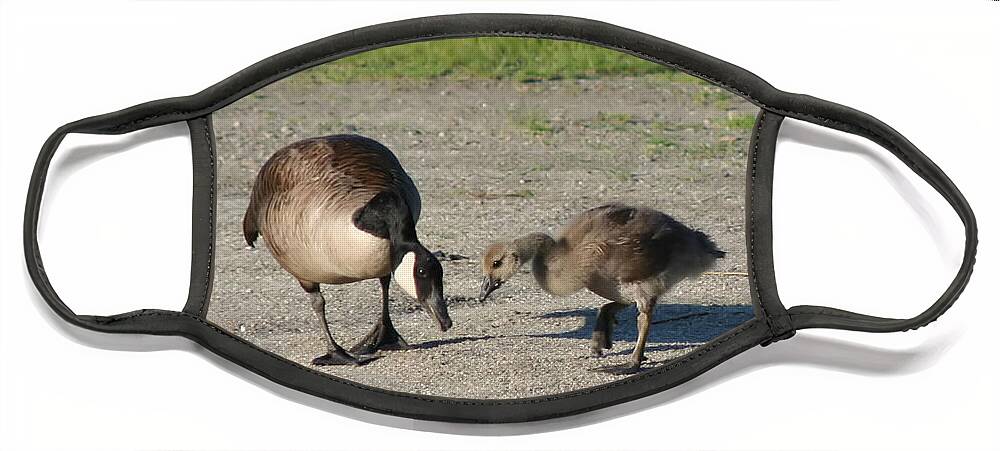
(398, 250)
(388, 216)
(402, 236)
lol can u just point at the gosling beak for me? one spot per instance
(489, 286)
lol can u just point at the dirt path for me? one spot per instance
(494, 159)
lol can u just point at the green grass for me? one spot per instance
(616, 121)
(538, 167)
(742, 122)
(711, 150)
(675, 76)
(621, 175)
(522, 59)
(532, 122)
(709, 95)
(656, 146)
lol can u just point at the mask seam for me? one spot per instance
(211, 222)
(753, 224)
(655, 372)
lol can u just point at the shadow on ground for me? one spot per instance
(672, 323)
(675, 326)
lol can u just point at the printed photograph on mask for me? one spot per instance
(482, 218)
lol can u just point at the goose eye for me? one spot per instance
(421, 272)
(497, 263)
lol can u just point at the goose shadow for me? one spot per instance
(451, 341)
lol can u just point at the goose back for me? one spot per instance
(304, 204)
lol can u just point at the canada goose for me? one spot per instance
(624, 254)
(340, 209)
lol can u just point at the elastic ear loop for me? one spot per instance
(148, 321)
(811, 316)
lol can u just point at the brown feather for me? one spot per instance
(623, 244)
(305, 192)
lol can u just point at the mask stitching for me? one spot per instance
(654, 372)
(211, 221)
(753, 223)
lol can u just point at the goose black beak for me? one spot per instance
(439, 311)
(489, 286)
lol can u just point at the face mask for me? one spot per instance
(486, 218)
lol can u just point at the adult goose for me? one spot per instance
(341, 209)
(627, 255)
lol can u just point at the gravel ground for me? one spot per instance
(494, 159)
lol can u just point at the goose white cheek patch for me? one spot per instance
(633, 172)
(404, 275)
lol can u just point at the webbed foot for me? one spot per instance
(339, 357)
(381, 338)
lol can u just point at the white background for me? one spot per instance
(853, 229)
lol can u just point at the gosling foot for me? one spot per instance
(599, 341)
(632, 367)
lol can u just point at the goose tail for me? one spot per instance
(250, 230)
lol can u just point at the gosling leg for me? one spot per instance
(643, 321)
(384, 335)
(603, 334)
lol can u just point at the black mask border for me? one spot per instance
(772, 321)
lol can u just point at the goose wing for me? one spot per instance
(338, 169)
(625, 243)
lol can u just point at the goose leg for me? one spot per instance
(604, 328)
(384, 335)
(335, 355)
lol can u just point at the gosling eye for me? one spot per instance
(497, 263)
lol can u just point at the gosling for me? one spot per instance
(627, 255)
